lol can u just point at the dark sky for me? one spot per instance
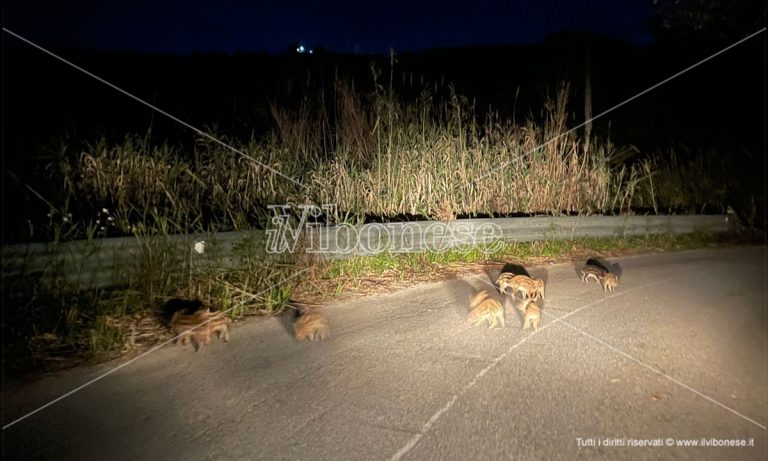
(343, 26)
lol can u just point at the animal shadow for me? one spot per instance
(607, 266)
(462, 290)
(185, 306)
(289, 315)
(515, 269)
(509, 268)
(467, 288)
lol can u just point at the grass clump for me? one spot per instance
(387, 270)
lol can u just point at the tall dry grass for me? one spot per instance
(371, 155)
(375, 155)
(212, 188)
(437, 161)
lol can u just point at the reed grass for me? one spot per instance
(374, 155)
(382, 158)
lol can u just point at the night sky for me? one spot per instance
(343, 26)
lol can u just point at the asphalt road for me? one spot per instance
(677, 354)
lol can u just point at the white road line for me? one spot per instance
(428, 425)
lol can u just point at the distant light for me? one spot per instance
(301, 49)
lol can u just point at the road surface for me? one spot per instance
(676, 355)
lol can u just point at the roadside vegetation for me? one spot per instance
(382, 272)
(375, 156)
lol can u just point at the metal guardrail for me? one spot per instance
(101, 263)
(423, 235)
(114, 262)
